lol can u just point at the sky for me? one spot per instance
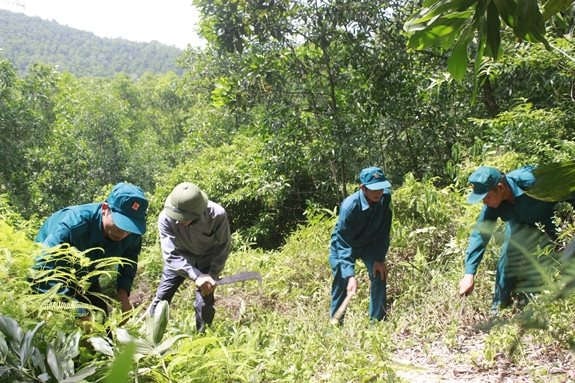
(171, 22)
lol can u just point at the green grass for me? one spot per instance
(280, 332)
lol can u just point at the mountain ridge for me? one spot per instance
(27, 40)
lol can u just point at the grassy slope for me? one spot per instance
(281, 332)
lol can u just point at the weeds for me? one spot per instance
(281, 331)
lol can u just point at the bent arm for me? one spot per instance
(174, 258)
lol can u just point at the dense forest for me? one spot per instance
(274, 119)
(26, 40)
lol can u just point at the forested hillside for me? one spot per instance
(274, 120)
(26, 40)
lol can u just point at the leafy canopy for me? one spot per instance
(457, 25)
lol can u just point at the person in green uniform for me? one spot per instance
(529, 226)
(113, 228)
(362, 232)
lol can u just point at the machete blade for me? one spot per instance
(240, 277)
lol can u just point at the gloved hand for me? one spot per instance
(205, 283)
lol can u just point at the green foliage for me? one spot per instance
(156, 325)
(554, 181)
(10, 218)
(99, 138)
(455, 25)
(122, 365)
(25, 113)
(73, 269)
(541, 135)
(428, 224)
(29, 40)
(27, 356)
(535, 75)
(281, 332)
(274, 120)
(16, 255)
(325, 90)
(146, 349)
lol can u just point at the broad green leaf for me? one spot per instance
(168, 343)
(159, 322)
(3, 346)
(480, 25)
(101, 345)
(507, 11)
(554, 182)
(123, 336)
(530, 21)
(493, 29)
(442, 7)
(120, 370)
(9, 327)
(26, 347)
(81, 375)
(457, 62)
(441, 34)
(54, 364)
(551, 7)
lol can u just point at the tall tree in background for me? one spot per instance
(303, 74)
(25, 117)
(334, 89)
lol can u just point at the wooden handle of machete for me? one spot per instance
(341, 309)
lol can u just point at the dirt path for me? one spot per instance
(466, 363)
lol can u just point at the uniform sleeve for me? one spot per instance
(173, 258)
(222, 250)
(341, 248)
(55, 235)
(127, 271)
(50, 236)
(478, 240)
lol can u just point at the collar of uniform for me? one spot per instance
(363, 201)
(517, 191)
(520, 180)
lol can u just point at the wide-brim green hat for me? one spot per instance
(186, 202)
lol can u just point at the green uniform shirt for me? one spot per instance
(524, 211)
(362, 231)
(81, 227)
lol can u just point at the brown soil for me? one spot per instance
(466, 363)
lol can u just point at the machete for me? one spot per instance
(242, 276)
(335, 319)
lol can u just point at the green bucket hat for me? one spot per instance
(186, 202)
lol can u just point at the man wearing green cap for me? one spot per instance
(362, 232)
(113, 228)
(195, 240)
(528, 226)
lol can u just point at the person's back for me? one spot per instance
(529, 225)
(113, 228)
(524, 209)
(80, 226)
